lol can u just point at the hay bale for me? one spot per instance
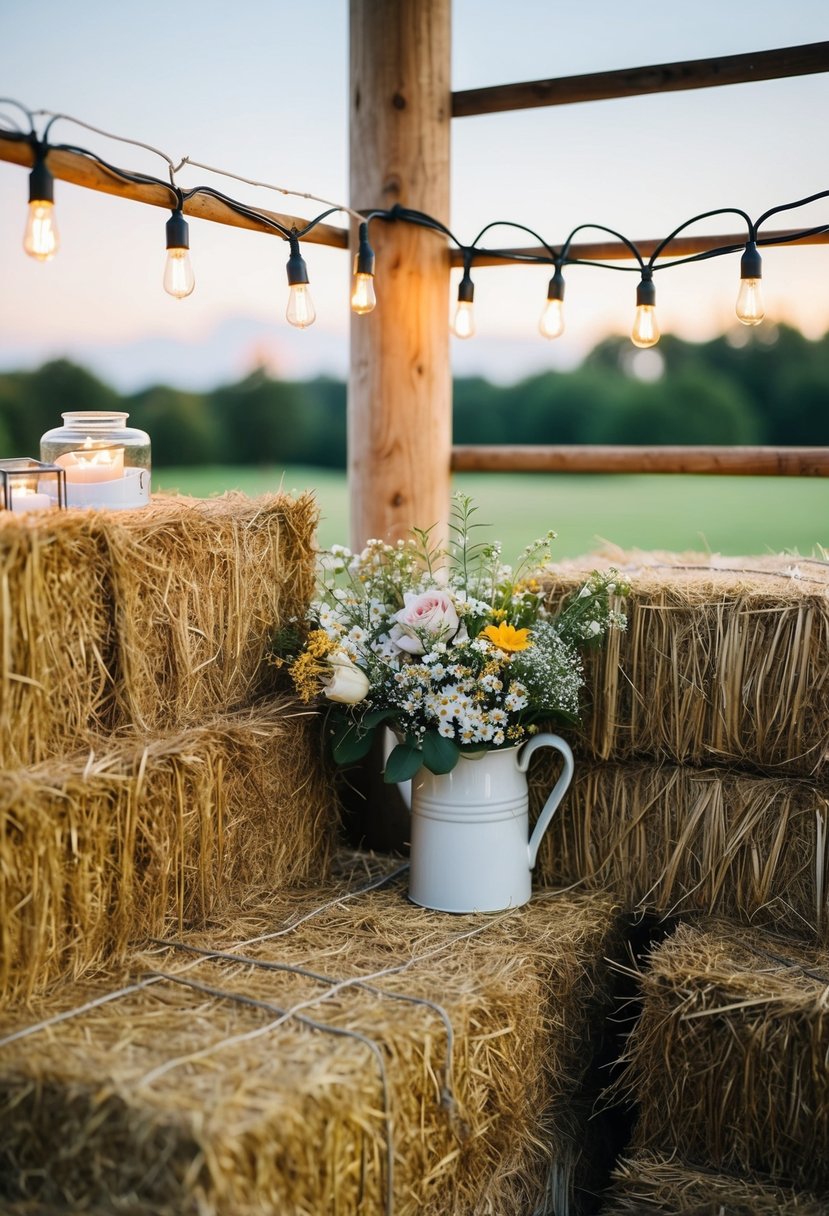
(670, 839)
(729, 1061)
(199, 588)
(651, 1183)
(56, 635)
(104, 847)
(196, 1103)
(154, 618)
(724, 661)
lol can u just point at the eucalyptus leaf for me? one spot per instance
(440, 755)
(403, 763)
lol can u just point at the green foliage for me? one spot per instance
(766, 386)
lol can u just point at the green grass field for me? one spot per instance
(731, 515)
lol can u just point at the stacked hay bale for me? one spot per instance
(330, 1051)
(141, 777)
(703, 791)
(703, 781)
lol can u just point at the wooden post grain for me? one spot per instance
(400, 389)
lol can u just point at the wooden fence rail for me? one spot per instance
(588, 458)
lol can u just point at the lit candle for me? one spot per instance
(24, 499)
(87, 464)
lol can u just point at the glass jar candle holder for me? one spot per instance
(106, 462)
(31, 485)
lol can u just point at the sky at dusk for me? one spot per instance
(261, 90)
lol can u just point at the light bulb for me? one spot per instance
(463, 325)
(300, 311)
(363, 298)
(179, 279)
(645, 329)
(750, 307)
(41, 240)
(551, 323)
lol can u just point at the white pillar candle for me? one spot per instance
(88, 465)
(24, 499)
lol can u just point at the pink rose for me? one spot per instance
(426, 618)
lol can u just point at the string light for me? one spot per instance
(41, 240)
(750, 308)
(179, 279)
(645, 330)
(363, 298)
(300, 311)
(463, 325)
(551, 323)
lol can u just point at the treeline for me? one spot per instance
(771, 389)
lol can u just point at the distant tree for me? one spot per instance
(39, 398)
(692, 407)
(182, 430)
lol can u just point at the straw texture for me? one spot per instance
(102, 848)
(728, 1062)
(648, 1183)
(201, 1105)
(724, 661)
(668, 839)
(152, 618)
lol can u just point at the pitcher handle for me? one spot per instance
(558, 790)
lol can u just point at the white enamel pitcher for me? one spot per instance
(469, 846)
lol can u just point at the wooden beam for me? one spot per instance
(615, 251)
(80, 171)
(633, 82)
(400, 387)
(585, 458)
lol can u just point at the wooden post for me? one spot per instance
(400, 387)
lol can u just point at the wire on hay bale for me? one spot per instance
(724, 661)
(729, 1061)
(155, 617)
(99, 849)
(435, 1077)
(670, 839)
(649, 1183)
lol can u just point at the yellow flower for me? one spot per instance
(507, 637)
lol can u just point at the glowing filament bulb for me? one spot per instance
(645, 330)
(179, 279)
(41, 240)
(551, 322)
(300, 311)
(463, 325)
(750, 307)
(363, 298)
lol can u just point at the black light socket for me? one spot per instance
(751, 264)
(41, 182)
(646, 292)
(178, 231)
(364, 262)
(555, 291)
(297, 270)
(466, 289)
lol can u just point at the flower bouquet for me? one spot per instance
(451, 649)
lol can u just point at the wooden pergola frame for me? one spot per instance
(400, 391)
